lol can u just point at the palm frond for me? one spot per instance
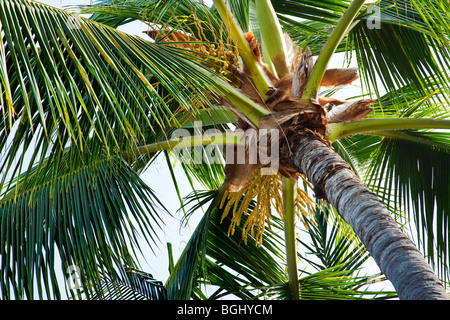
(403, 167)
(240, 10)
(410, 171)
(66, 79)
(309, 22)
(201, 164)
(429, 101)
(330, 245)
(168, 14)
(133, 285)
(181, 281)
(87, 218)
(326, 11)
(332, 284)
(213, 257)
(407, 47)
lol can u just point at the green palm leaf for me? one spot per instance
(213, 257)
(133, 285)
(66, 79)
(310, 22)
(403, 167)
(332, 247)
(410, 171)
(165, 13)
(181, 281)
(83, 217)
(406, 47)
(77, 95)
(332, 284)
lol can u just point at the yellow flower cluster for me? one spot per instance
(266, 190)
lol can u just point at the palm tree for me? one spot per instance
(86, 108)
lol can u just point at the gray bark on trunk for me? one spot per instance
(396, 255)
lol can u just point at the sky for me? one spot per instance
(158, 178)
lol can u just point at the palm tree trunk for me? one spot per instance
(395, 253)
